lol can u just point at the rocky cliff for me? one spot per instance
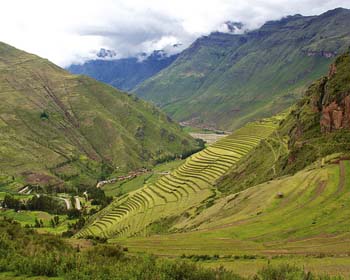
(335, 110)
(319, 124)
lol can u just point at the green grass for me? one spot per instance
(28, 218)
(333, 266)
(14, 276)
(310, 219)
(16, 195)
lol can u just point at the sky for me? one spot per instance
(72, 31)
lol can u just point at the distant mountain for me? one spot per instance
(58, 129)
(125, 73)
(225, 80)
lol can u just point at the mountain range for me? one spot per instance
(125, 73)
(225, 80)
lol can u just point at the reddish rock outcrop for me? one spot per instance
(336, 116)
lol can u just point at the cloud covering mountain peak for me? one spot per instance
(71, 31)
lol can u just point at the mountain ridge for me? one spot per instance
(58, 128)
(124, 73)
(248, 76)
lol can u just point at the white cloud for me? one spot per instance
(67, 31)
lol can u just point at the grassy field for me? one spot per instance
(28, 218)
(333, 266)
(300, 219)
(15, 195)
(13, 276)
(310, 217)
(183, 192)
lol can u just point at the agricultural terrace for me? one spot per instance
(306, 214)
(185, 187)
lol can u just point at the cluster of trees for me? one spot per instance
(47, 204)
(26, 253)
(13, 203)
(36, 203)
(96, 195)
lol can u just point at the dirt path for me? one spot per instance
(77, 203)
(318, 191)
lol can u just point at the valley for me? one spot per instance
(226, 80)
(245, 175)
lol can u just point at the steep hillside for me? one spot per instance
(124, 73)
(183, 193)
(289, 195)
(316, 127)
(56, 127)
(225, 80)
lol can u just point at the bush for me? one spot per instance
(73, 213)
(44, 115)
(26, 253)
(283, 272)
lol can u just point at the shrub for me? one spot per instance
(44, 115)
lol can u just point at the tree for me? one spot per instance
(44, 115)
(56, 220)
(73, 213)
(37, 223)
(52, 222)
(12, 202)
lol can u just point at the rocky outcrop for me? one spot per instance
(335, 97)
(336, 116)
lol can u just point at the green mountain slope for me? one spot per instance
(289, 195)
(316, 127)
(56, 127)
(225, 80)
